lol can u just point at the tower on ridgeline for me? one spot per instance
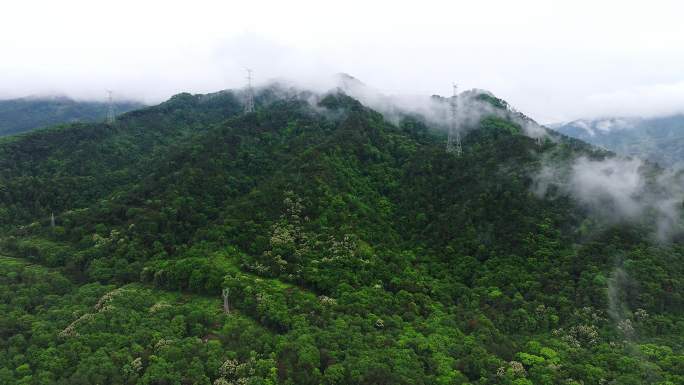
(454, 139)
(111, 117)
(249, 98)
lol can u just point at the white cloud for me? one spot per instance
(644, 101)
(613, 184)
(617, 189)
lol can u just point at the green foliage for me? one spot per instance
(345, 249)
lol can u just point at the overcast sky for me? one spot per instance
(554, 60)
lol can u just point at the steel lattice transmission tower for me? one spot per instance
(249, 99)
(111, 117)
(454, 139)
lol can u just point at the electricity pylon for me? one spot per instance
(111, 117)
(454, 139)
(249, 100)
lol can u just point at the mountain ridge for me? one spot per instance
(658, 139)
(33, 112)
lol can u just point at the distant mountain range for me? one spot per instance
(657, 139)
(25, 114)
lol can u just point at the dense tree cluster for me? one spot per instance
(350, 251)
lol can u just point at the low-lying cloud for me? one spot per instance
(437, 110)
(619, 189)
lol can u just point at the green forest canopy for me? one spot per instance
(351, 251)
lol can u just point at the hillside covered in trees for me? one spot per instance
(25, 114)
(315, 242)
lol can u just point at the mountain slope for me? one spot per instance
(350, 251)
(25, 114)
(660, 139)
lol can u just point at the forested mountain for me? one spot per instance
(659, 139)
(314, 242)
(25, 114)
